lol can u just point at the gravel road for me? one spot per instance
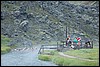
(24, 58)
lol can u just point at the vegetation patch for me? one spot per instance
(58, 60)
(4, 40)
(91, 54)
(63, 61)
(45, 57)
(5, 49)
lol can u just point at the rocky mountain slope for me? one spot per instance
(47, 20)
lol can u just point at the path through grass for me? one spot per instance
(90, 54)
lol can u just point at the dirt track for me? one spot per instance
(27, 57)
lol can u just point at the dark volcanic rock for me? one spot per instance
(30, 19)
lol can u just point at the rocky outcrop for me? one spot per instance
(47, 20)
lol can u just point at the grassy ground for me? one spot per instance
(91, 54)
(4, 47)
(64, 61)
(45, 57)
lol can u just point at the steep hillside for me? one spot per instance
(87, 3)
(47, 20)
